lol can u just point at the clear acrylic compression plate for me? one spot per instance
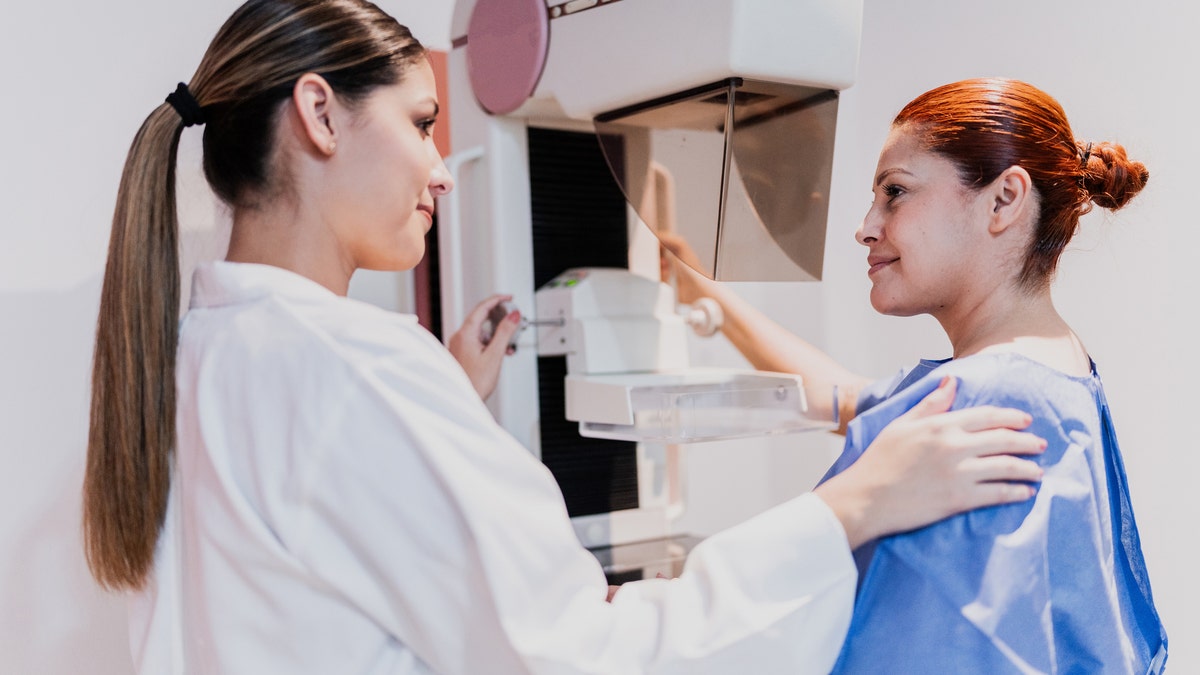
(739, 169)
(691, 406)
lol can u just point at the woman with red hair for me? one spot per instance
(979, 187)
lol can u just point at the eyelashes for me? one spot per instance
(890, 191)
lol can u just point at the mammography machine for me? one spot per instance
(579, 128)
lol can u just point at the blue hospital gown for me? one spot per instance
(1056, 584)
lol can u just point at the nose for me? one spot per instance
(870, 229)
(440, 180)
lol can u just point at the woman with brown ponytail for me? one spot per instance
(979, 187)
(290, 481)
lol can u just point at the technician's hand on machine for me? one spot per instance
(926, 466)
(480, 358)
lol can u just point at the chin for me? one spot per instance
(890, 306)
(396, 261)
(409, 261)
(409, 252)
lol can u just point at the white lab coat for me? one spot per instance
(343, 502)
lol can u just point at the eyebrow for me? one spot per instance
(887, 172)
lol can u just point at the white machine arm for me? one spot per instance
(628, 376)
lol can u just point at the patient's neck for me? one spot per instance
(1024, 324)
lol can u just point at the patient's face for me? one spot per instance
(925, 232)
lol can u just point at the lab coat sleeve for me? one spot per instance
(425, 514)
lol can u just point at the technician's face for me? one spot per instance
(921, 231)
(393, 173)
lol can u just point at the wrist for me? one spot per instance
(851, 504)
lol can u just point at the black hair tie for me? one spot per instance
(185, 104)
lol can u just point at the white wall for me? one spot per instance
(83, 76)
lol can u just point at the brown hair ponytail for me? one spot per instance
(246, 74)
(133, 376)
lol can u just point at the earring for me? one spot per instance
(332, 146)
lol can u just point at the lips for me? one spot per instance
(878, 262)
(427, 209)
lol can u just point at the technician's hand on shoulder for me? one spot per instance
(927, 466)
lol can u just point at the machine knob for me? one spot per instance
(705, 317)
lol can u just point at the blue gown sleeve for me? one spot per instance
(1028, 587)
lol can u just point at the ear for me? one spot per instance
(312, 98)
(1009, 197)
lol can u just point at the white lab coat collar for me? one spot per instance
(221, 282)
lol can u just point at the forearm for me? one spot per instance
(770, 346)
(854, 503)
(770, 595)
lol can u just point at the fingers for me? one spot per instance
(993, 494)
(937, 401)
(989, 417)
(978, 418)
(476, 316)
(504, 333)
(1003, 468)
(679, 248)
(1003, 442)
(671, 241)
(991, 481)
